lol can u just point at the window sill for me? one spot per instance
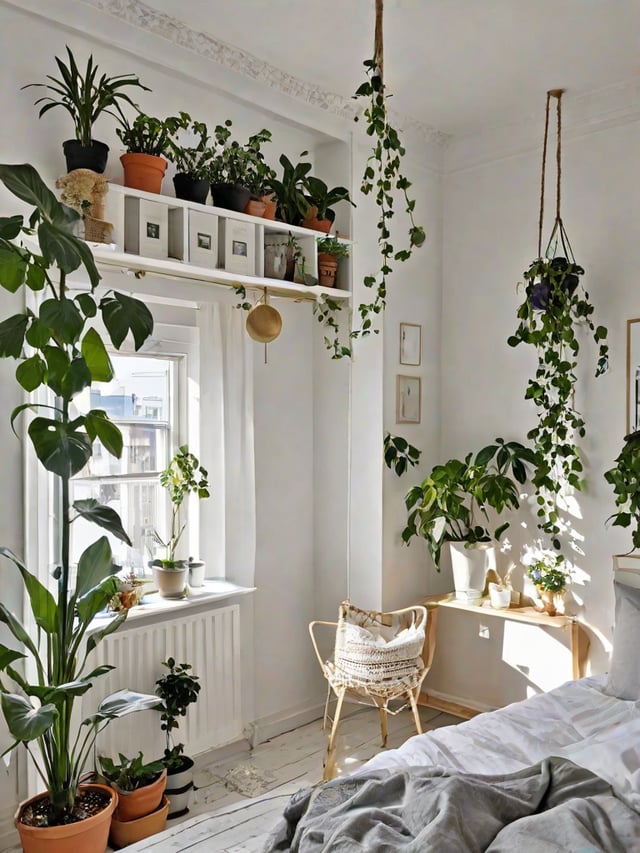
(154, 608)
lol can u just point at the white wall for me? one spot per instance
(490, 237)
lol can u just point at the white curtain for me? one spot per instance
(228, 518)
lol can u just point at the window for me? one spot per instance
(142, 401)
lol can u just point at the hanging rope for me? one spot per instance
(552, 93)
(378, 44)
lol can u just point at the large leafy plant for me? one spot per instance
(145, 135)
(57, 347)
(232, 162)
(192, 160)
(624, 478)
(452, 503)
(85, 96)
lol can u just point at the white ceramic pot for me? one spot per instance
(470, 566)
(179, 787)
(196, 573)
(170, 582)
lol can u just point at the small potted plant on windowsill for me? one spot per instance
(147, 142)
(451, 506)
(85, 97)
(183, 476)
(178, 688)
(330, 250)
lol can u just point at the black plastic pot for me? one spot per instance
(79, 156)
(230, 196)
(191, 189)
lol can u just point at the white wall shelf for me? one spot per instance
(114, 258)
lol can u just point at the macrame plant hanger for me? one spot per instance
(558, 234)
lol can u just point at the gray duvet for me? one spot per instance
(552, 806)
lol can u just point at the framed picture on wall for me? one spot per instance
(408, 399)
(410, 343)
(633, 375)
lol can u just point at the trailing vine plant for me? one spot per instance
(554, 308)
(382, 176)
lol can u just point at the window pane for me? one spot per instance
(144, 450)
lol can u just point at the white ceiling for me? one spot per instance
(458, 66)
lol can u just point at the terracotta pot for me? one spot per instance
(125, 832)
(327, 268)
(270, 207)
(170, 582)
(143, 171)
(135, 804)
(79, 156)
(84, 836)
(255, 207)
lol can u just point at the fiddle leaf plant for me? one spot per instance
(554, 308)
(452, 502)
(58, 349)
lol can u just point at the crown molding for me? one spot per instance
(138, 14)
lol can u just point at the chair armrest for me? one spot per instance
(312, 627)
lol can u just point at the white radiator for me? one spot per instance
(210, 642)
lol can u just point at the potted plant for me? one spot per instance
(85, 97)
(318, 213)
(66, 354)
(330, 250)
(146, 141)
(452, 505)
(140, 786)
(549, 573)
(183, 476)
(230, 165)
(178, 688)
(191, 180)
(624, 477)
(289, 189)
(259, 179)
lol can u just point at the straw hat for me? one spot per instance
(264, 323)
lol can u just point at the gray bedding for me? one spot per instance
(554, 805)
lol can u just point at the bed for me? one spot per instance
(558, 771)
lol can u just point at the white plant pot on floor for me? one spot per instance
(470, 566)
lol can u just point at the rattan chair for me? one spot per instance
(378, 657)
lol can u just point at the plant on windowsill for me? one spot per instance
(146, 140)
(65, 354)
(452, 504)
(191, 180)
(554, 309)
(624, 477)
(178, 688)
(183, 476)
(85, 97)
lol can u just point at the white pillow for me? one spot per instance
(624, 672)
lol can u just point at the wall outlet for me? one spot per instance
(483, 633)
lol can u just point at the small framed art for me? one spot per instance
(410, 343)
(408, 399)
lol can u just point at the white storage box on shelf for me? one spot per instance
(146, 228)
(188, 260)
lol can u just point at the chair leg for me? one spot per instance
(383, 724)
(414, 708)
(326, 708)
(330, 758)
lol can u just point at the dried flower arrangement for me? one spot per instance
(85, 191)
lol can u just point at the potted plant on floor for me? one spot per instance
(142, 806)
(85, 97)
(66, 354)
(183, 476)
(330, 251)
(451, 506)
(191, 180)
(178, 688)
(147, 143)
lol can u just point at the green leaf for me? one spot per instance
(36, 278)
(25, 722)
(37, 334)
(62, 451)
(99, 426)
(123, 314)
(13, 269)
(30, 373)
(8, 656)
(57, 365)
(95, 564)
(43, 605)
(87, 304)
(96, 599)
(103, 516)
(12, 331)
(76, 379)
(96, 637)
(25, 183)
(96, 357)
(121, 704)
(10, 227)
(63, 318)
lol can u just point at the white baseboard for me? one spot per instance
(271, 726)
(461, 700)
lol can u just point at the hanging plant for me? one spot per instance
(554, 308)
(382, 176)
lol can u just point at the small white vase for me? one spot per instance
(500, 596)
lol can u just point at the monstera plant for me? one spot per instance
(56, 345)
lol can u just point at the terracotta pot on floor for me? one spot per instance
(84, 836)
(142, 801)
(125, 832)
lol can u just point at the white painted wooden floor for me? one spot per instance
(223, 820)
